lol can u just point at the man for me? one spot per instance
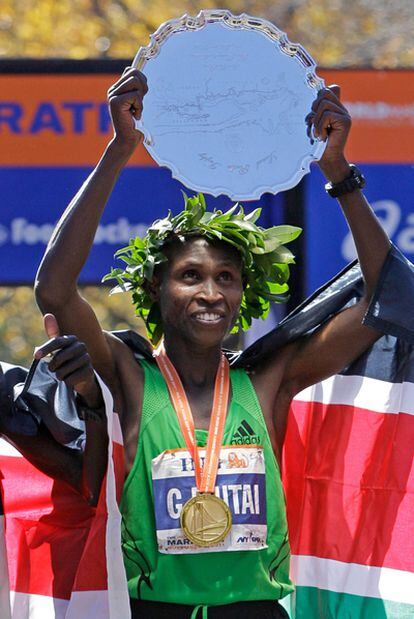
(197, 293)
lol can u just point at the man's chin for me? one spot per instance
(208, 334)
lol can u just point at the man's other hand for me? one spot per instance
(70, 361)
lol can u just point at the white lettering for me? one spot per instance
(225, 494)
(247, 500)
(256, 498)
(173, 507)
(24, 232)
(234, 489)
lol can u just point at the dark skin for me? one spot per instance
(71, 363)
(202, 279)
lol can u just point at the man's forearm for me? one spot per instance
(371, 242)
(73, 237)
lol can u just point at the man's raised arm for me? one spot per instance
(344, 337)
(331, 120)
(56, 282)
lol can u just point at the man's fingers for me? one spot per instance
(131, 80)
(66, 371)
(75, 351)
(325, 94)
(54, 344)
(323, 108)
(331, 121)
(51, 326)
(130, 101)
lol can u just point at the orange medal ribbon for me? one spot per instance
(205, 476)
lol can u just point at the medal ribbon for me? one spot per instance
(205, 476)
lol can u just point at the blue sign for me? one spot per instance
(33, 199)
(329, 245)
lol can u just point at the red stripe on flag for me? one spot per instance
(55, 540)
(47, 525)
(349, 481)
(92, 572)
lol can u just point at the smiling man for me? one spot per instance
(203, 512)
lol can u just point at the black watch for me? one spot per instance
(355, 180)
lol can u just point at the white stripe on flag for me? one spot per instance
(117, 431)
(364, 580)
(4, 576)
(8, 450)
(88, 605)
(362, 392)
(32, 606)
(117, 583)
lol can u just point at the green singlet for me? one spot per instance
(161, 565)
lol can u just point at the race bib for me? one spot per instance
(240, 483)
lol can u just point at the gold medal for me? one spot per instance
(206, 519)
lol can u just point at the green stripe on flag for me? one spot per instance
(312, 603)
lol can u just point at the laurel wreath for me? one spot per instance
(265, 259)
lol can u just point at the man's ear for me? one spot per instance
(153, 288)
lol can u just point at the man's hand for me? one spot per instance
(331, 121)
(125, 99)
(70, 362)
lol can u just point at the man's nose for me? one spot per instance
(210, 291)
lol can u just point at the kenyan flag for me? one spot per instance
(64, 557)
(349, 479)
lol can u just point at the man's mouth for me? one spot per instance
(207, 317)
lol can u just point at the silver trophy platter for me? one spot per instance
(226, 104)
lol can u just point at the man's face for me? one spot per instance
(200, 292)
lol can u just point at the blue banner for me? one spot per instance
(329, 245)
(32, 200)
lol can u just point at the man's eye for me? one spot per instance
(226, 276)
(190, 274)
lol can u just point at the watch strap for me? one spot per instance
(355, 180)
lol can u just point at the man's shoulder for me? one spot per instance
(129, 349)
(138, 345)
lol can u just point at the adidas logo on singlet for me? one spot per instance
(245, 435)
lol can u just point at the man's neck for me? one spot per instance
(196, 368)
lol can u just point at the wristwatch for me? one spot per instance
(355, 180)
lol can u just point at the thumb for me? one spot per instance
(51, 326)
